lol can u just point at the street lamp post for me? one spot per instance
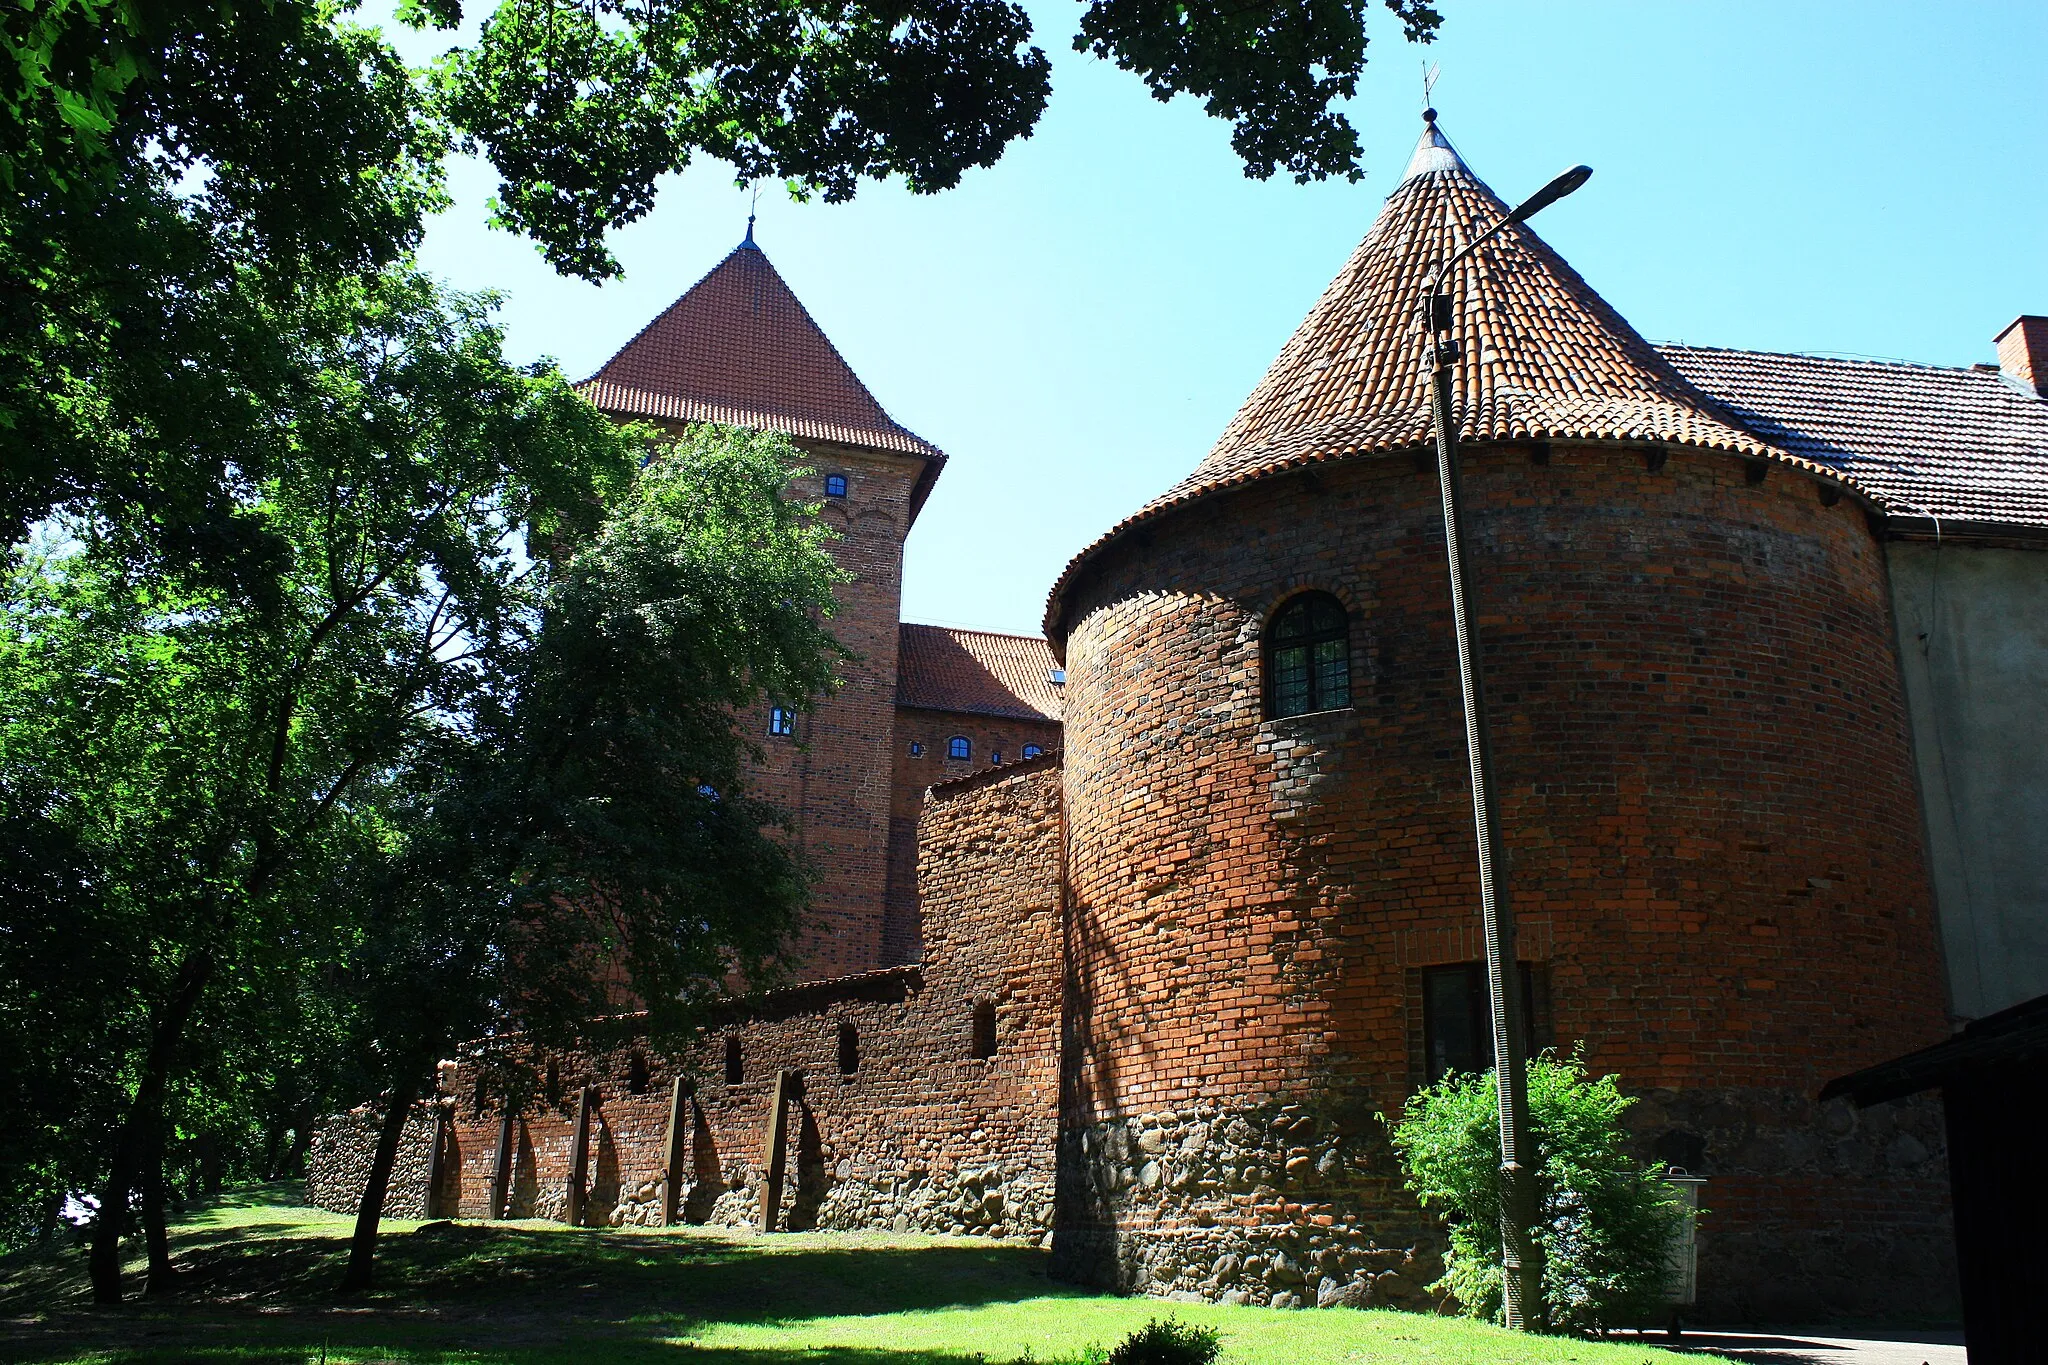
(1521, 1265)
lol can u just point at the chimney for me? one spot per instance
(2023, 352)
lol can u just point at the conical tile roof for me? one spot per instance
(739, 348)
(1546, 358)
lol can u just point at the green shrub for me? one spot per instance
(1604, 1222)
(1165, 1341)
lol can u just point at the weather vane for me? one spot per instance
(1429, 73)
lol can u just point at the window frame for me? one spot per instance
(1320, 695)
(960, 748)
(1479, 1007)
(839, 479)
(781, 720)
(1030, 751)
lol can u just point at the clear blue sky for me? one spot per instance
(1075, 325)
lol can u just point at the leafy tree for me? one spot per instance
(1606, 1221)
(587, 846)
(150, 150)
(196, 744)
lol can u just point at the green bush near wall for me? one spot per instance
(1605, 1221)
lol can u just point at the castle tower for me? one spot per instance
(1706, 800)
(739, 348)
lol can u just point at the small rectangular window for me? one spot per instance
(835, 485)
(1457, 1019)
(781, 720)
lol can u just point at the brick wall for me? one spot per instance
(833, 775)
(922, 1134)
(931, 731)
(1714, 842)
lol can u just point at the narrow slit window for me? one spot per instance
(636, 1073)
(849, 1048)
(1308, 656)
(735, 1067)
(984, 1029)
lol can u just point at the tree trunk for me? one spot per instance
(362, 1247)
(163, 1276)
(131, 1140)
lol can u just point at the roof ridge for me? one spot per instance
(973, 630)
(1831, 357)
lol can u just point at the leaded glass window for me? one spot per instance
(1308, 656)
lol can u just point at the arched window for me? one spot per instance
(984, 1029)
(835, 485)
(735, 1071)
(849, 1048)
(958, 747)
(636, 1073)
(1308, 656)
(1032, 751)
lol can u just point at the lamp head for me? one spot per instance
(1551, 193)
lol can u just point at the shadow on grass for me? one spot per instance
(248, 1294)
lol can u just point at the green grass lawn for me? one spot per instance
(260, 1274)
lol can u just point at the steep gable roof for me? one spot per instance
(1546, 358)
(944, 668)
(739, 348)
(1930, 441)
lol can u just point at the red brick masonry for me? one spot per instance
(921, 1135)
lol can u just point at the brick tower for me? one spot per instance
(1705, 794)
(739, 348)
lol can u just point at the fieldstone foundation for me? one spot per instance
(338, 1163)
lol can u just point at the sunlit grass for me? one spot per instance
(260, 1274)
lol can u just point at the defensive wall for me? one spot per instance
(921, 1098)
(1710, 817)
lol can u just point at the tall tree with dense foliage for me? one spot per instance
(149, 150)
(589, 845)
(194, 742)
(283, 486)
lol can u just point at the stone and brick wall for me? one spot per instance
(922, 1134)
(1715, 848)
(338, 1163)
(932, 731)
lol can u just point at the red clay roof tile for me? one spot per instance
(740, 349)
(1546, 358)
(1930, 441)
(942, 668)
